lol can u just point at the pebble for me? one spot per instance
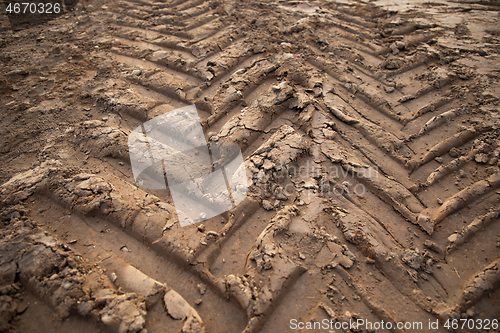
(454, 152)
(66, 285)
(470, 312)
(136, 72)
(267, 205)
(400, 45)
(439, 201)
(439, 159)
(394, 49)
(84, 308)
(481, 158)
(389, 89)
(392, 65)
(329, 134)
(432, 246)
(202, 288)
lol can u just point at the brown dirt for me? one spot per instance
(369, 130)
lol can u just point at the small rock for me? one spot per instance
(125, 249)
(66, 285)
(202, 288)
(452, 238)
(394, 49)
(432, 246)
(22, 307)
(428, 266)
(212, 235)
(389, 89)
(88, 114)
(392, 65)
(481, 158)
(302, 256)
(136, 72)
(176, 306)
(329, 134)
(267, 205)
(281, 195)
(201, 227)
(345, 262)
(198, 301)
(268, 165)
(454, 152)
(413, 258)
(113, 277)
(439, 201)
(370, 261)
(470, 312)
(439, 159)
(400, 45)
(84, 308)
(121, 163)
(462, 173)
(346, 185)
(257, 160)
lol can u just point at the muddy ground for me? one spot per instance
(370, 135)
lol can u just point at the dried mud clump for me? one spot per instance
(30, 259)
